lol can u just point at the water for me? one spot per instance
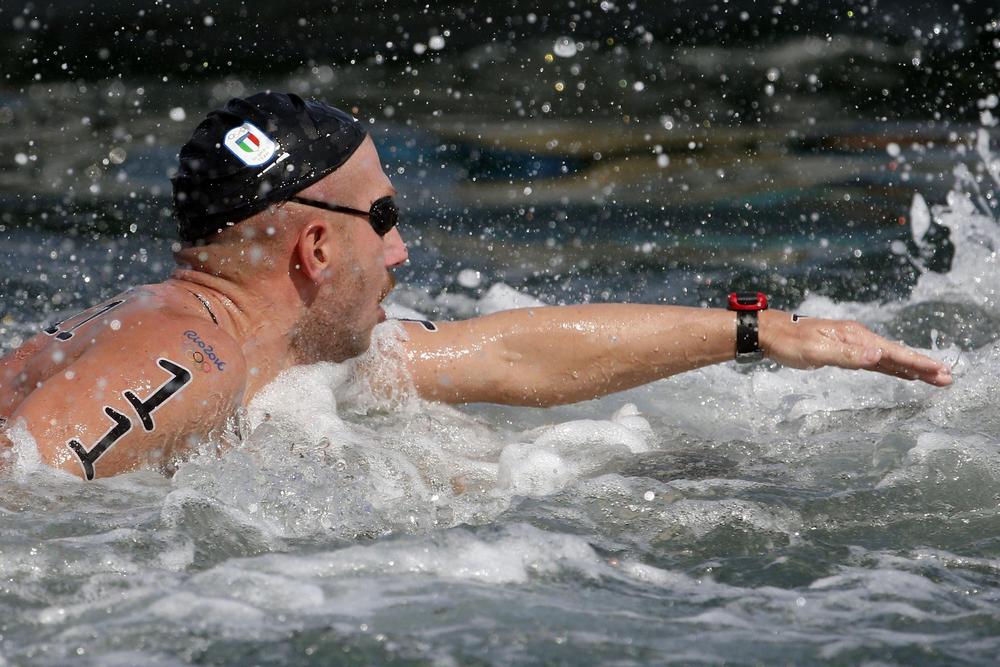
(745, 516)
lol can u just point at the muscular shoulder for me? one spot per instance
(138, 389)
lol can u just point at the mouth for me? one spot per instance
(388, 288)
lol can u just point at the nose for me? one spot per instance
(394, 248)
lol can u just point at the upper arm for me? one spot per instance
(136, 399)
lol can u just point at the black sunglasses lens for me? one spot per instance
(383, 215)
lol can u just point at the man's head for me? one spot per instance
(255, 152)
(277, 193)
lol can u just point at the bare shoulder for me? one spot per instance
(133, 391)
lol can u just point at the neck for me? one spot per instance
(260, 324)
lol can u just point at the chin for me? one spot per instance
(360, 343)
(318, 342)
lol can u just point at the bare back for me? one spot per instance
(131, 382)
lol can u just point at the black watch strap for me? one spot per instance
(747, 341)
(747, 306)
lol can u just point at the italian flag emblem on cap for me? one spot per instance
(250, 145)
(248, 142)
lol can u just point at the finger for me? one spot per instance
(851, 345)
(939, 376)
(898, 360)
(902, 356)
(892, 359)
(905, 363)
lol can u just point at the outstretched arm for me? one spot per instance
(554, 355)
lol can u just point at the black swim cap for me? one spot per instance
(254, 152)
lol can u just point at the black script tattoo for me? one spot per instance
(429, 326)
(66, 334)
(144, 410)
(89, 457)
(181, 376)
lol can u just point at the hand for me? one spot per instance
(814, 343)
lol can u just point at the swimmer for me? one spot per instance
(289, 239)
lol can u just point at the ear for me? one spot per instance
(314, 251)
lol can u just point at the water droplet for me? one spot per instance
(565, 47)
(469, 278)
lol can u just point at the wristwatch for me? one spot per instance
(747, 305)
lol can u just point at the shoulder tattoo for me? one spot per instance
(62, 334)
(144, 409)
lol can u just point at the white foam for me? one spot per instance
(25, 450)
(187, 511)
(417, 467)
(556, 455)
(879, 582)
(796, 394)
(920, 218)
(176, 557)
(948, 457)
(215, 614)
(504, 297)
(520, 552)
(133, 658)
(301, 402)
(975, 274)
(259, 589)
(699, 517)
(530, 471)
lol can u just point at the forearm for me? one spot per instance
(546, 356)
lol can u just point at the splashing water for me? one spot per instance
(814, 516)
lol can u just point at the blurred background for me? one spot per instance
(579, 150)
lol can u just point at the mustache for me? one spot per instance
(390, 285)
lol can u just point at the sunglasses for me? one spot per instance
(383, 214)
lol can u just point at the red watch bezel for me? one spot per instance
(759, 304)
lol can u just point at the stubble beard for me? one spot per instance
(329, 333)
(314, 341)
